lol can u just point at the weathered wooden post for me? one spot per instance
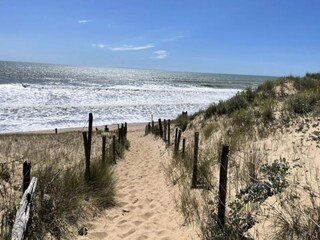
(26, 173)
(165, 130)
(175, 139)
(106, 129)
(152, 126)
(183, 147)
(87, 146)
(125, 129)
(149, 128)
(223, 186)
(195, 161)
(169, 132)
(178, 140)
(104, 149)
(23, 213)
(114, 149)
(56, 131)
(122, 133)
(160, 128)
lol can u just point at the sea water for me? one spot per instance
(37, 96)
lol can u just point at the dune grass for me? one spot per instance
(261, 190)
(63, 198)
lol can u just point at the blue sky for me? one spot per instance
(262, 37)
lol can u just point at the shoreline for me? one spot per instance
(73, 129)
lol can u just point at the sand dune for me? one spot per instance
(145, 200)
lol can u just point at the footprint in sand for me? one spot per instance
(147, 215)
(137, 223)
(99, 235)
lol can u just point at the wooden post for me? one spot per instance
(122, 133)
(87, 146)
(195, 161)
(169, 132)
(26, 172)
(90, 134)
(114, 149)
(56, 131)
(152, 126)
(86, 154)
(104, 149)
(149, 128)
(165, 130)
(106, 129)
(23, 213)
(183, 147)
(125, 129)
(223, 186)
(160, 128)
(178, 140)
(175, 139)
(119, 133)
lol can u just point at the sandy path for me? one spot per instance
(145, 202)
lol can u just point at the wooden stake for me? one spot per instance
(104, 149)
(175, 139)
(195, 161)
(160, 128)
(183, 148)
(169, 132)
(26, 173)
(178, 140)
(114, 149)
(223, 186)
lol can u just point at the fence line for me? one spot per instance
(28, 186)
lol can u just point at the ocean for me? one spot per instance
(36, 96)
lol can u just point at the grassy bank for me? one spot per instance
(274, 133)
(63, 198)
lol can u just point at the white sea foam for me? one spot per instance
(49, 96)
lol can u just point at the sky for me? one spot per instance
(256, 37)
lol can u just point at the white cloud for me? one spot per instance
(131, 48)
(161, 54)
(124, 47)
(100, 45)
(84, 21)
(172, 39)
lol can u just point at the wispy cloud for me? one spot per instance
(172, 39)
(160, 54)
(84, 21)
(131, 47)
(124, 47)
(100, 45)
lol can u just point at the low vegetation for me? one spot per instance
(63, 198)
(265, 190)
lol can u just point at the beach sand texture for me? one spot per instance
(145, 206)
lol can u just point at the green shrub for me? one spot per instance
(267, 88)
(303, 102)
(313, 75)
(241, 218)
(306, 83)
(243, 118)
(250, 95)
(239, 101)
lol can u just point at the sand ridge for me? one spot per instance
(145, 206)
